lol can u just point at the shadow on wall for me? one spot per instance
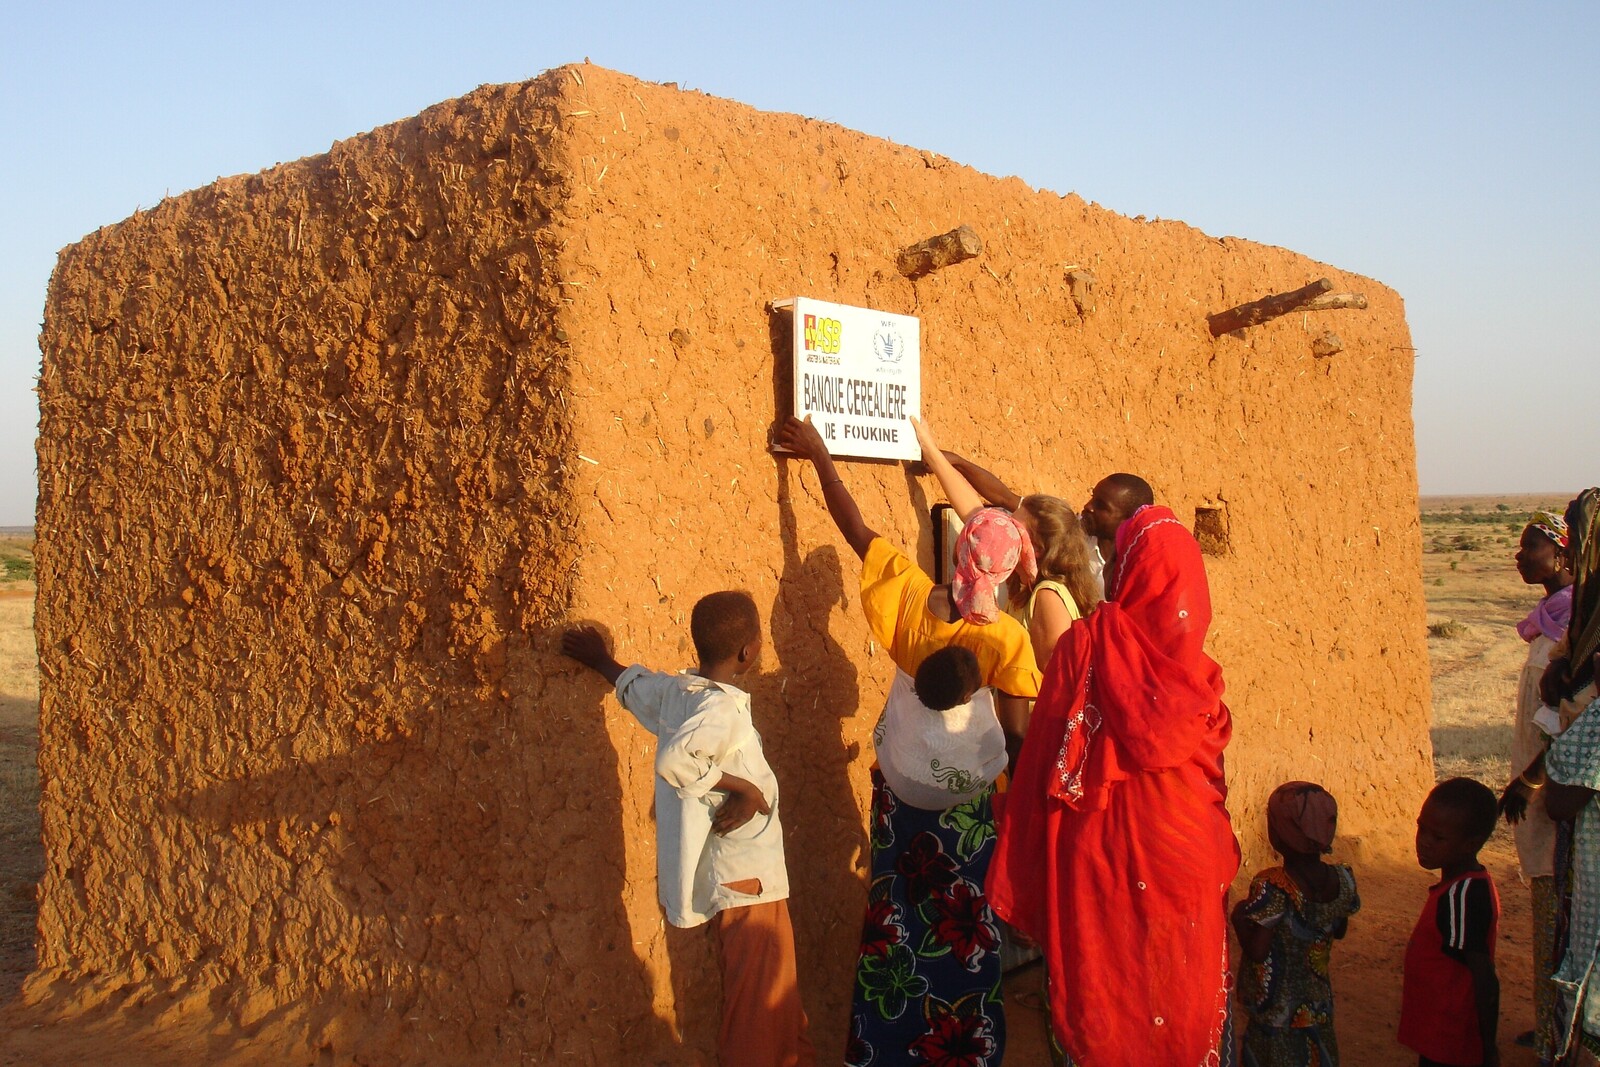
(459, 888)
(810, 699)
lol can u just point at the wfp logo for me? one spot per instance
(888, 345)
(822, 335)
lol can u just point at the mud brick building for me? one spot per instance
(328, 454)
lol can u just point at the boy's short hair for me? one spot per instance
(947, 678)
(723, 623)
(1473, 801)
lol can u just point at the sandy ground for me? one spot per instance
(1474, 598)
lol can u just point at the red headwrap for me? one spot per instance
(1116, 851)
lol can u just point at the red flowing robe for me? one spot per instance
(1115, 852)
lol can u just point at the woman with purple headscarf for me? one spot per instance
(1541, 560)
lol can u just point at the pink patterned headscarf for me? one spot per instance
(992, 544)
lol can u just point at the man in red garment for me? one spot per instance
(1119, 791)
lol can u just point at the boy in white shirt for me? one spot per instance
(719, 845)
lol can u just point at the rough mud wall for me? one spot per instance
(327, 454)
(303, 457)
(690, 213)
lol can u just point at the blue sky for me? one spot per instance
(1448, 150)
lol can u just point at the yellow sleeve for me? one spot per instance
(1012, 668)
(1018, 681)
(894, 596)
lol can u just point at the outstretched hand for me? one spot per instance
(586, 645)
(924, 438)
(801, 437)
(1514, 802)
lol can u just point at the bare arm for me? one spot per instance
(1486, 998)
(957, 489)
(1050, 620)
(1013, 713)
(1517, 793)
(1565, 801)
(1255, 940)
(986, 484)
(805, 442)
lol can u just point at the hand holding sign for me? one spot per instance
(924, 438)
(800, 436)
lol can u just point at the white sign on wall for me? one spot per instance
(858, 374)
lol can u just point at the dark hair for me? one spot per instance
(723, 623)
(947, 678)
(1134, 489)
(1063, 550)
(1473, 801)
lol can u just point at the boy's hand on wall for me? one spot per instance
(588, 647)
(743, 803)
(801, 437)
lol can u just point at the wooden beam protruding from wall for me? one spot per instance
(1337, 302)
(925, 257)
(1266, 309)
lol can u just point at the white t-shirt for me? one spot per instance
(938, 759)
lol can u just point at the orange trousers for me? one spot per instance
(763, 1021)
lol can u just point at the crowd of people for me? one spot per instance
(1050, 769)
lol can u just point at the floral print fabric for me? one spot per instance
(928, 978)
(1288, 996)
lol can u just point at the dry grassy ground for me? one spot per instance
(1474, 600)
(21, 859)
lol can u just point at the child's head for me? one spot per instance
(948, 678)
(1301, 819)
(726, 628)
(1456, 819)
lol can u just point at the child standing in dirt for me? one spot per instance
(1450, 1008)
(719, 845)
(1287, 924)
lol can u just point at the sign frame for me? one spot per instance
(858, 374)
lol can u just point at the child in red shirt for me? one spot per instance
(1450, 1007)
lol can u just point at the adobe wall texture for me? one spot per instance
(329, 454)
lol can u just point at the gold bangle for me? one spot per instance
(1523, 778)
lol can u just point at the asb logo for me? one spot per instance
(822, 335)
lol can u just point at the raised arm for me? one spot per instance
(986, 484)
(962, 496)
(802, 438)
